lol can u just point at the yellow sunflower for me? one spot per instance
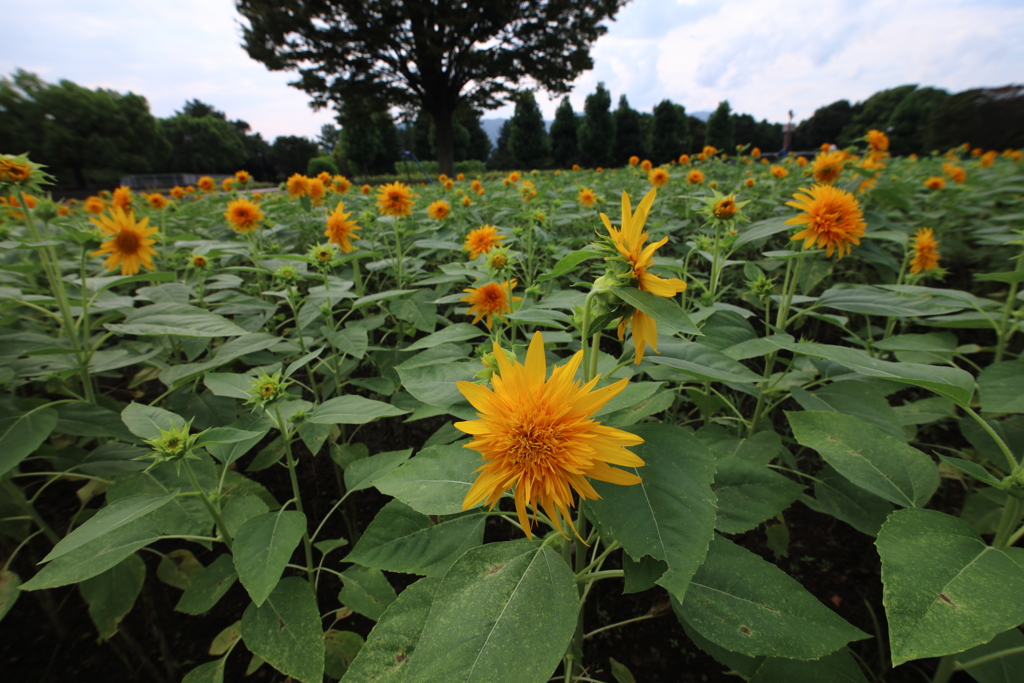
(490, 300)
(394, 199)
(587, 197)
(340, 229)
(206, 184)
(832, 218)
(298, 185)
(130, 244)
(341, 184)
(177, 192)
(482, 240)
(877, 141)
(684, 159)
(439, 210)
(926, 251)
(122, 198)
(536, 436)
(317, 190)
(658, 177)
(366, 189)
(695, 177)
(646, 166)
(828, 166)
(243, 176)
(935, 183)
(477, 187)
(634, 160)
(629, 242)
(95, 205)
(243, 216)
(157, 201)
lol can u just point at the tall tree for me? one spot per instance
(479, 147)
(564, 147)
(907, 123)
(990, 118)
(328, 137)
(527, 138)
(432, 55)
(667, 123)
(291, 154)
(197, 109)
(501, 155)
(597, 130)
(629, 139)
(874, 113)
(203, 145)
(824, 126)
(721, 128)
(698, 129)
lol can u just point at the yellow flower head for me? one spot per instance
(130, 243)
(536, 436)
(646, 166)
(189, 189)
(513, 177)
(749, 182)
(629, 241)
(935, 183)
(490, 300)
(177, 192)
(340, 229)
(634, 160)
(801, 161)
(12, 171)
(989, 158)
(366, 189)
(725, 208)
(926, 251)
(227, 184)
(394, 199)
(828, 166)
(482, 240)
(755, 153)
(575, 167)
(709, 151)
(877, 141)
(95, 205)
(298, 185)
(341, 184)
(439, 210)
(206, 184)
(122, 198)
(243, 176)
(157, 201)
(684, 159)
(957, 173)
(832, 218)
(317, 191)
(477, 187)
(460, 177)
(243, 216)
(449, 184)
(658, 177)
(587, 197)
(695, 177)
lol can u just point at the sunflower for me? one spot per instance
(12, 171)
(989, 158)
(634, 160)
(801, 161)
(122, 198)
(957, 173)
(95, 205)
(439, 210)
(298, 185)
(340, 229)
(828, 166)
(513, 177)
(926, 251)
(243, 176)
(366, 189)
(394, 199)
(228, 183)
(466, 201)
(709, 151)
(658, 177)
(460, 177)
(177, 192)
(317, 190)
(243, 215)
(629, 242)
(482, 240)
(157, 201)
(695, 177)
(490, 300)
(877, 141)
(449, 184)
(341, 184)
(832, 218)
(130, 244)
(575, 167)
(206, 184)
(755, 153)
(646, 166)
(684, 159)
(749, 182)
(725, 208)
(477, 187)
(535, 435)
(587, 197)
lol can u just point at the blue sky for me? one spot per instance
(764, 56)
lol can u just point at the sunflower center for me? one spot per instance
(530, 444)
(127, 242)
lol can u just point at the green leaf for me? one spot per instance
(1009, 277)
(841, 498)
(973, 469)
(744, 604)
(114, 515)
(568, 263)
(952, 383)
(146, 422)
(226, 435)
(670, 515)
(869, 300)
(700, 362)
(868, 457)
(21, 435)
(79, 418)
(474, 632)
(10, 589)
(184, 514)
(176, 320)
(749, 493)
(228, 384)
(351, 340)
(838, 667)
(435, 482)
(663, 310)
(999, 387)
(1005, 669)
(95, 557)
(458, 332)
(112, 594)
(733, 661)
(641, 575)
(435, 384)
(341, 647)
(263, 547)
(364, 473)
(933, 348)
(381, 296)
(621, 672)
(208, 587)
(366, 591)
(945, 590)
(761, 230)
(210, 672)
(859, 399)
(285, 631)
(178, 568)
(416, 311)
(352, 410)
(385, 656)
(399, 539)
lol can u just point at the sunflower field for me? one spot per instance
(727, 418)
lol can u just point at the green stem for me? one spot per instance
(947, 665)
(962, 666)
(1011, 461)
(307, 543)
(210, 507)
(1005, 330)
(1008, 522)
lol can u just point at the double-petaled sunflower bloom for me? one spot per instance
(935, 183)
(490, 300)
(629, 241)
(122, 198)
(130, 243)
(394, 199)
(206, 184)
(243, 215)
(587, 197)
(828, 166)
(832, 218)
(341, 184)
(482, 240)
(439, 210)
(536, 436)
(695, 177)
(340, 229)
(658, 177)
(926, 251)
(298, 185)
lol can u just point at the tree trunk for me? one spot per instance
(444, 140)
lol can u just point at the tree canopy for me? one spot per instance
(721, 128)
(432, 56)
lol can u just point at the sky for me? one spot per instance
(765, 57)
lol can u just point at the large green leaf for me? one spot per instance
(761, 230)
(945, 589)
(703, 363)
(183, 514)
(662, 310)
(176, 320)
(670, 515)
(10, 589)
(503, 612)
(95, 557)
(363, 473)
(838, 496)
(838, 667)
(366, 591)
(453, 333)
(435, 482)
(867, 456)
(146, 422)
(859, 399)
(79, 418)
(262, 548)
(1003, 669)
(748, 493)
(1000, 387)
(352, 410)
(744, 604)
(399, 539)
(21, 435)
(385, 656)
(874, 301)
(208, 587)
(568, 263)
(112, 594)
(286, 632)
(116, 514)
(952, 383)
(351, 340)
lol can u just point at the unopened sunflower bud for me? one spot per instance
(172, 445)
(490, 364)
(267, 388)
